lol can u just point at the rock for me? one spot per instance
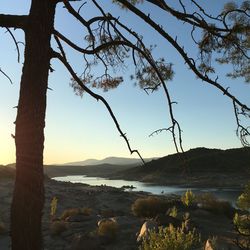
(113, 219)
(208, 245)
(147, 226)
(199, 205)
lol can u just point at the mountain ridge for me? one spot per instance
(109, 160)
(199, 166)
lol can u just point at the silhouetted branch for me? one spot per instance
(174, 43)
(204, 12)
(94, 95)
(156, 132)
(92, 51)
(1, 71)
(188, 18)
(13, 21)
(242, 132)
(16, 43)
(145, 54)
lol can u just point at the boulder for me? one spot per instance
(147, 226)
(113, 219)
(208, 245)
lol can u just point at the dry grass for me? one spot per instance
(107, 213)
(211, 203)
(70, 212)
(75, 211)
(108, 229)
(149, 207)
(86, 211)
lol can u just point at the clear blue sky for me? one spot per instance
(77, 129)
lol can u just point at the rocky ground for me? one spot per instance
(80, 231)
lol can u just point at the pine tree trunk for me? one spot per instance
(28, 197)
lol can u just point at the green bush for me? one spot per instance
(243, 201)
(108, 229)
(188, 198)
(53, 207)
(171, 238)
(242, 222)
(173, 212)
(149, 207)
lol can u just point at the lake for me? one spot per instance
(221, 193)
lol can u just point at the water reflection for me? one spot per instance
(225, 193)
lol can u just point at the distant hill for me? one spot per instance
(102, 170)
(109, 160)
(6, 172)
(199, 166)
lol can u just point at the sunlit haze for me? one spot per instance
(81, 128)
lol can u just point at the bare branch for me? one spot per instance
(97, 97)
(1, 71)
(189, 18)
(174, 43)
(242, 132)
(93, 51)
(156, 132)
(204, 12)
(16, 43)
(142, 50)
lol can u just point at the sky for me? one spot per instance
(81, 128)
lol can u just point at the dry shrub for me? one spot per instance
(86, 211)
(149, 206)
(70, 212)
(57, 227)
(107, 213)
(108, 229)
(75, 211)
(211, 203)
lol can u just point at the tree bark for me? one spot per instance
(28, 197)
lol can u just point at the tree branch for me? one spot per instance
(189, 18)
(92, 51)
(96, 96)
(141, 49)
(13, 21)
(16, 43)
(2, 72)
(164, 34)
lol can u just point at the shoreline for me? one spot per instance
(170, 183)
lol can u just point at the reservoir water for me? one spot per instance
(221, 193)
